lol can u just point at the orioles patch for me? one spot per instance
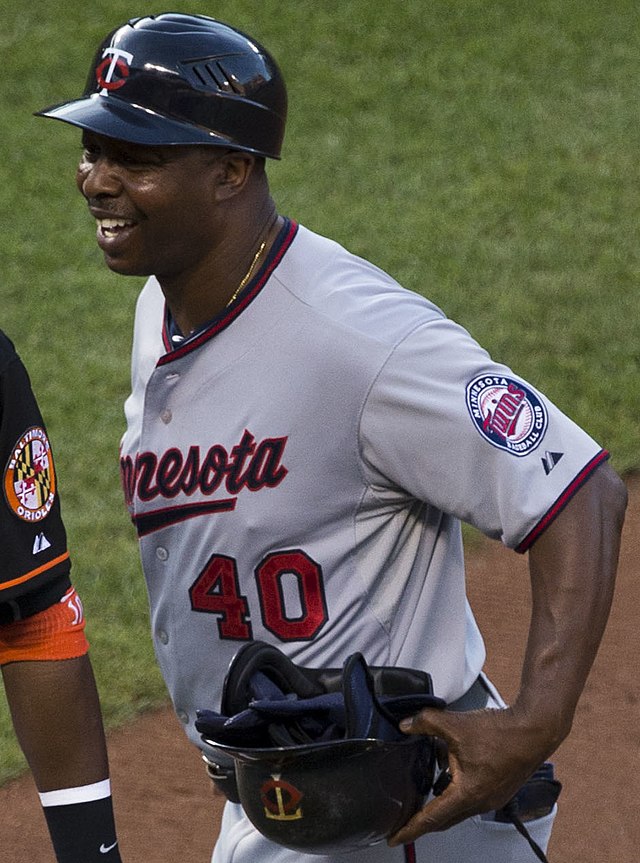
(507, 413)
(29, 477)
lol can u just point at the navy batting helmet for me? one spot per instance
(182, 79)
(322, 770)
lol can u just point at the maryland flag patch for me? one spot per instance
(29, 477)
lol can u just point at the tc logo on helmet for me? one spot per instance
(113, 72)
(280, 799)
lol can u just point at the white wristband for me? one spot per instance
(82, 794)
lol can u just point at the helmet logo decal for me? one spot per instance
(507, 413)
(29, 476)
(280, 799)
(113, 72)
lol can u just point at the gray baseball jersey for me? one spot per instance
(297, 471)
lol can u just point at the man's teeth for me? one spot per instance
(110, 227)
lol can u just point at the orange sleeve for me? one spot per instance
(53, 634)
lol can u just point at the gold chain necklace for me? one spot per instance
(249, 272)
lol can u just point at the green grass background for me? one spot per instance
(483, 152)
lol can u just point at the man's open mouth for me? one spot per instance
(111, 227)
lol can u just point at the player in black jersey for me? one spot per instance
(47, 673)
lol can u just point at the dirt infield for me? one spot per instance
(166, 811)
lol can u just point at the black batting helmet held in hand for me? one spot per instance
(182, 79)
(320, 764)
(332, 798)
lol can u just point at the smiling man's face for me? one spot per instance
(154, 205)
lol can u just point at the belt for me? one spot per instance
(223, 777)
(475, 698)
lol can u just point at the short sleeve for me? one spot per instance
(34, 555)
(446, 424)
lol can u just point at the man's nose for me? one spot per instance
(99, 178)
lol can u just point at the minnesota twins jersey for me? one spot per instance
(34, 572)
(297, 472)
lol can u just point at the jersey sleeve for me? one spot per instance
(34, 559)
(445, 424)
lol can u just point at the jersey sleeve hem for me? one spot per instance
(555, 510)
(34, 572)
(40, 598)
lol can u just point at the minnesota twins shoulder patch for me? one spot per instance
(507, 413)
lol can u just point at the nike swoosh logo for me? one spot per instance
(105, 850)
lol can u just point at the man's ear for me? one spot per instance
(232, 171)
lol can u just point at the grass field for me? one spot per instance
(484, 153)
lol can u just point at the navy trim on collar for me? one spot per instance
(230, 313)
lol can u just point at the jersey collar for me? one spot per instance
(177, 345)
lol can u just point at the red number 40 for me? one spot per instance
(217, 591)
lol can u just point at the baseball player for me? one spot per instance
(304, 437)
(47, 673)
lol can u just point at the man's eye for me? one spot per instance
(137, 160)
(132, 159)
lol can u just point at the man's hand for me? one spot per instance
(491, 754)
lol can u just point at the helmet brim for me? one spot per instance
(317, 751)
(115, 118)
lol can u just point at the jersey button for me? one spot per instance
(183, 716)
(163, 636)
(162, 553)
(166, 416)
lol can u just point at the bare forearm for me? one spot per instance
(493, 752)
(56, 715)
(572, 567)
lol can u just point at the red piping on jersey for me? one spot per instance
(34, 572)
(562, 501)
(282, 243)
(410, 853)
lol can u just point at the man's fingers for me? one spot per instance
(436, 723)
(450, 807)
(439, 814)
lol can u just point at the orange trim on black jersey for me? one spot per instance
(562, 501)
(34, 572)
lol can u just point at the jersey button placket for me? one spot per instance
(161, 634)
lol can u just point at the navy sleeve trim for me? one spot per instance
(562, 501)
